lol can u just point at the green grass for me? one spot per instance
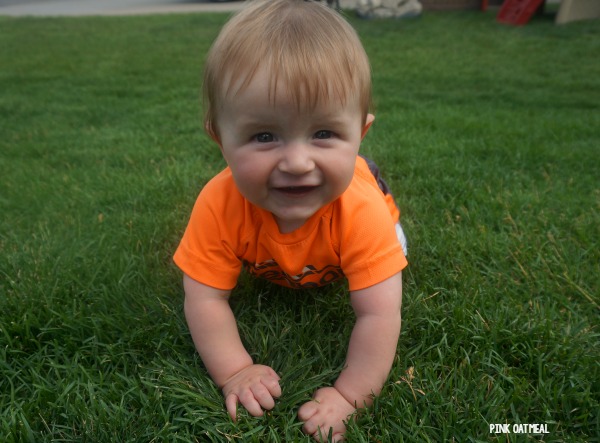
(490, 138)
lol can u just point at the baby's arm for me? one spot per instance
(370, 357)
(215, 334)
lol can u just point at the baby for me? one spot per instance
(287, 93)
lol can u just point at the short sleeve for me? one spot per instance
(370, 251)
(207, 251)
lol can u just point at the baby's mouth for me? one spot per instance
(296, 190)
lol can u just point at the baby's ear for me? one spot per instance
(368, 122)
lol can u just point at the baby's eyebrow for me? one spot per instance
(255, 118)
(334, 119)
(256, 125)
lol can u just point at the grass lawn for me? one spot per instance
(490, 138)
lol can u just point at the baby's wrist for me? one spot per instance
(355, 398)
(222, 376)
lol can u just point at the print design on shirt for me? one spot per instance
(310, 277)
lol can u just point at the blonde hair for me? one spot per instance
(305, 45)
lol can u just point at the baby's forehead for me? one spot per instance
(267, 88)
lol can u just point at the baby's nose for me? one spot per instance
(296, 160)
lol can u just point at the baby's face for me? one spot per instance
(287, 161)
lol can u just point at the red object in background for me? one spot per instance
(518, 12)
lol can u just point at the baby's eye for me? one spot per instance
(264, 137)
(323, 134)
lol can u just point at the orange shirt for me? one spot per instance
(352, 237)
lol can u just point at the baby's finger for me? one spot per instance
(249, 402)
(320, 435)
(263, 396)
(231, 404)
(323, 431)
(305, 413)
(337, 438)
(273, 386)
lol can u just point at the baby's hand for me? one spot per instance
(328, 409)
(255, 387)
